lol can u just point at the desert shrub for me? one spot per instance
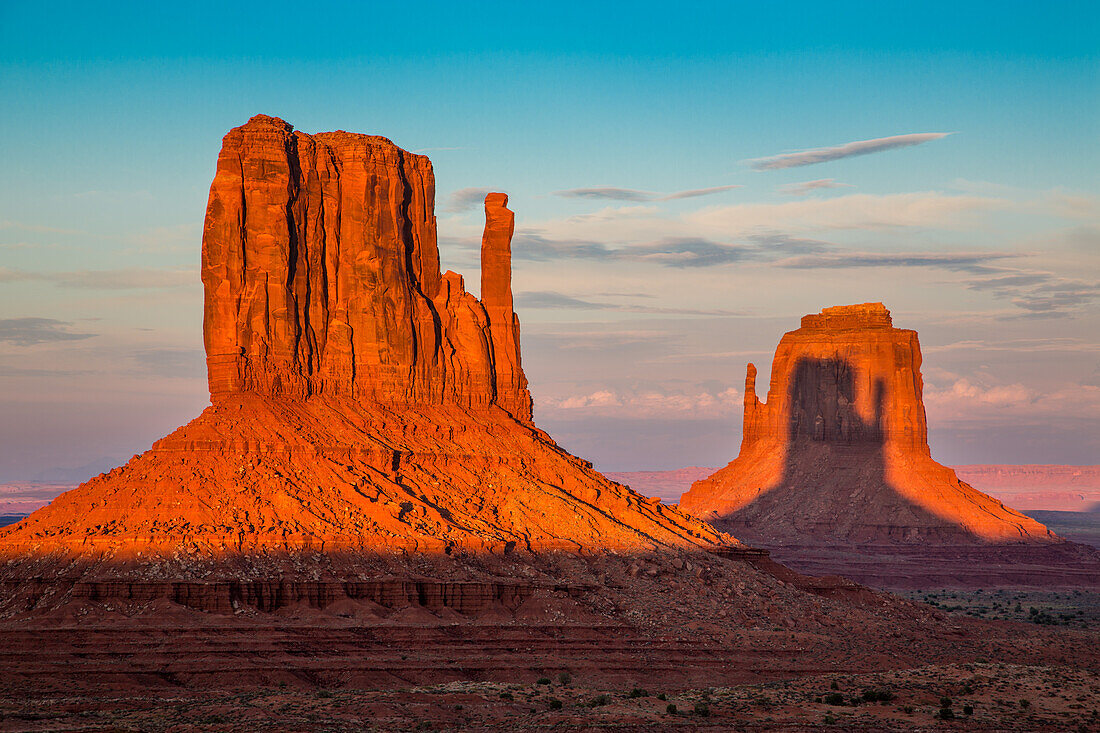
(945, 702)
(543, 681)
(833, 685)
(834, 698)
(599, 700)
(702, 709)
(945, 714)
(661, 696)
(968, 709)
(638, 692)
(506, 696)
(829, 720)
(908, 710)
(670, 708)
(1024, 704)
(877, 694)
(565, 678)
(555, 704)
(324, 693)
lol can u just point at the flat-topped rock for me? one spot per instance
(839, 451)
(842, 317)
(321, 275)
(360, 399)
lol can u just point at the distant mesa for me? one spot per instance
(839, 452)
(360, 398)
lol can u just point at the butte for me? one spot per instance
(360, 399)
(366, 503)
(838, 457)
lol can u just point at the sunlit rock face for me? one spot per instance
(321, 274)
(839, 451)
(359, 397)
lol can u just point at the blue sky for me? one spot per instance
(111, 118)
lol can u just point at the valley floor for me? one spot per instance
(979, 696)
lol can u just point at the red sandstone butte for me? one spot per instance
(321, 273)
(839, 452)
(359, 397)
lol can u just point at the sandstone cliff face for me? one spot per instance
(839, 451)
(321, 273)
(360, 399)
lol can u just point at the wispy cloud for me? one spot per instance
(680, 252)
(847, 150)
(806, 187)
(1040, 294)
(954, 261)
(1059, 344)
(677, 252)
(553, 300)
(610, 193)
(31, 331)
(465, 199)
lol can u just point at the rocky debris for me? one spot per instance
(839, 451)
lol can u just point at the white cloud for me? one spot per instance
(653, 403)
(973, 400)
(1004, 395)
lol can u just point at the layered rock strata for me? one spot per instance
(360, 399)
(839, 451)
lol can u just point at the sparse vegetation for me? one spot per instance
(702, 709)
(872, 694)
